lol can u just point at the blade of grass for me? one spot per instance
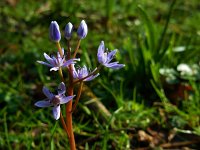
(52, 133)
(6, 132)
(162, 36)
(149, 27)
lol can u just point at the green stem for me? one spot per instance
(77, 47)
(59, 49)
(6, 132)
(61, 74)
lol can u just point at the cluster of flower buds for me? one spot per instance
(61, 61)
(55, 35)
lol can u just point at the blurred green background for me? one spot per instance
(152, 102)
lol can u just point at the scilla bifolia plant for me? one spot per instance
(66, 62)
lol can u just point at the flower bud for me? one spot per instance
(54, 31)
(82, 30)
(68, 30)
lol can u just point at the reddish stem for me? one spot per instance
(69, 114)
(78, 96)
(63, 124)
(69, 104)
(68, 125)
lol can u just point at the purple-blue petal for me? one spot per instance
(56, 112)
(82, 72)
(47, 93)
(101, 55)
(68, 62)
(111, 55)
(82, 30)
(49, 59)
(60, 61)
(91, 77)
(61, 88)
(114, 65)
(44, 63)
(68, 30)
(54, 32)
(65, 99)
(74, 72)
(58, 54)
(43, 104)
(101, 48)
(55, 61)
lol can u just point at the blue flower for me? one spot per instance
(54, 100)
(68, 30)
(54, 31)
(83, 72)
(56, 62)
(105, 58)
(82, 30)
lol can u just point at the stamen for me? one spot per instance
(59, 89)
(55, 100)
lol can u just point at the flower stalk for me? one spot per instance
(68, 50)
(77, 47)
(75, 75)
(69, 115)
(63, 124)
(59, 49)
(61, 75)
(78, 96)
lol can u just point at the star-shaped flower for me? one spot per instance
(105, 58)
(56, 62)
(83, 72)
(55, 100)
